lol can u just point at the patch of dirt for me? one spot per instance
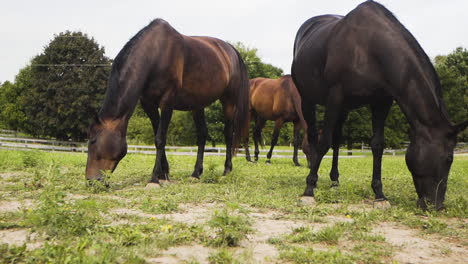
(269, 225)
(9, 175)
(190, 214)
(18, 237)
(11, 206)
(409, 247)
(183, 253)
(412, 248)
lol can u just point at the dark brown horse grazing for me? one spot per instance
(369, 57)
(165, 69)
(279, 101)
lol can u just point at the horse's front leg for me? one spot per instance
(151, 110)
(202, 133)
(379, 114)
(159, 172)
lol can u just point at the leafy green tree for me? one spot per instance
(453, 73)
(255, 66)
(67, 84)
(12, 115)
(357, 128)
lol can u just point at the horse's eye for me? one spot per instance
(92, 141)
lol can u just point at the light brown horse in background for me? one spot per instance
(279, 101)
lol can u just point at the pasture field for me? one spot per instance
(48, 214)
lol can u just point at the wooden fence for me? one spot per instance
(9, 140)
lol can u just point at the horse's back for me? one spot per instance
(273, 98)
(208, 68)
(358, 52)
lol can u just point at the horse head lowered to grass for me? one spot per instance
(369, 58)
(164, 69)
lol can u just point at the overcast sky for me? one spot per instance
(270, 26)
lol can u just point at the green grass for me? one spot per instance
(76, 223)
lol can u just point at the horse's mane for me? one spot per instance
(418, 50)
(112, 92)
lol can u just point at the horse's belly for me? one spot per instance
(189, 102)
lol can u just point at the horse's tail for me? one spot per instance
(240, 92)
(297, 104)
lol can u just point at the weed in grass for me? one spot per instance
(31, 159)
(329, 235)
(229, 228)
(126, 235)
(310, 256)
(10, 220)
(36, 181)
(371, 251)
(58, 217)
(159, 205)
(10, 254)
(222, 256)
(210, 175)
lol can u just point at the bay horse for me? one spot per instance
(369, 58)
(164, 69)
(279, 101)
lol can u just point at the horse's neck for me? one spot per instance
(122, 94)
(425, 117)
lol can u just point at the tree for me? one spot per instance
(255, 66)
(12, 115)
(67, 84)
(453, 74)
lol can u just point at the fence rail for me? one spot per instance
(9, 141)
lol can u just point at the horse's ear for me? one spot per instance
(460, 127)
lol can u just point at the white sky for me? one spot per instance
(270, 26)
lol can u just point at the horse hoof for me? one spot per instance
(308, 201)
(335, 184)
(152, 185)
(379, 204)
(268, 162)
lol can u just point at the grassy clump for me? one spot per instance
(310, 256)
(58, 217)
(229, 228)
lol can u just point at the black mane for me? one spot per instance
(112, 93)
(418, 50)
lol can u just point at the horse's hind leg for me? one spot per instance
(379, 114)
(246, 143)
(332, 114)
(257, 134)
(308, 110)
(334, 174)
(202, 133)
(151, 110)
(274, 139)
(228, 109)
(296, 141)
